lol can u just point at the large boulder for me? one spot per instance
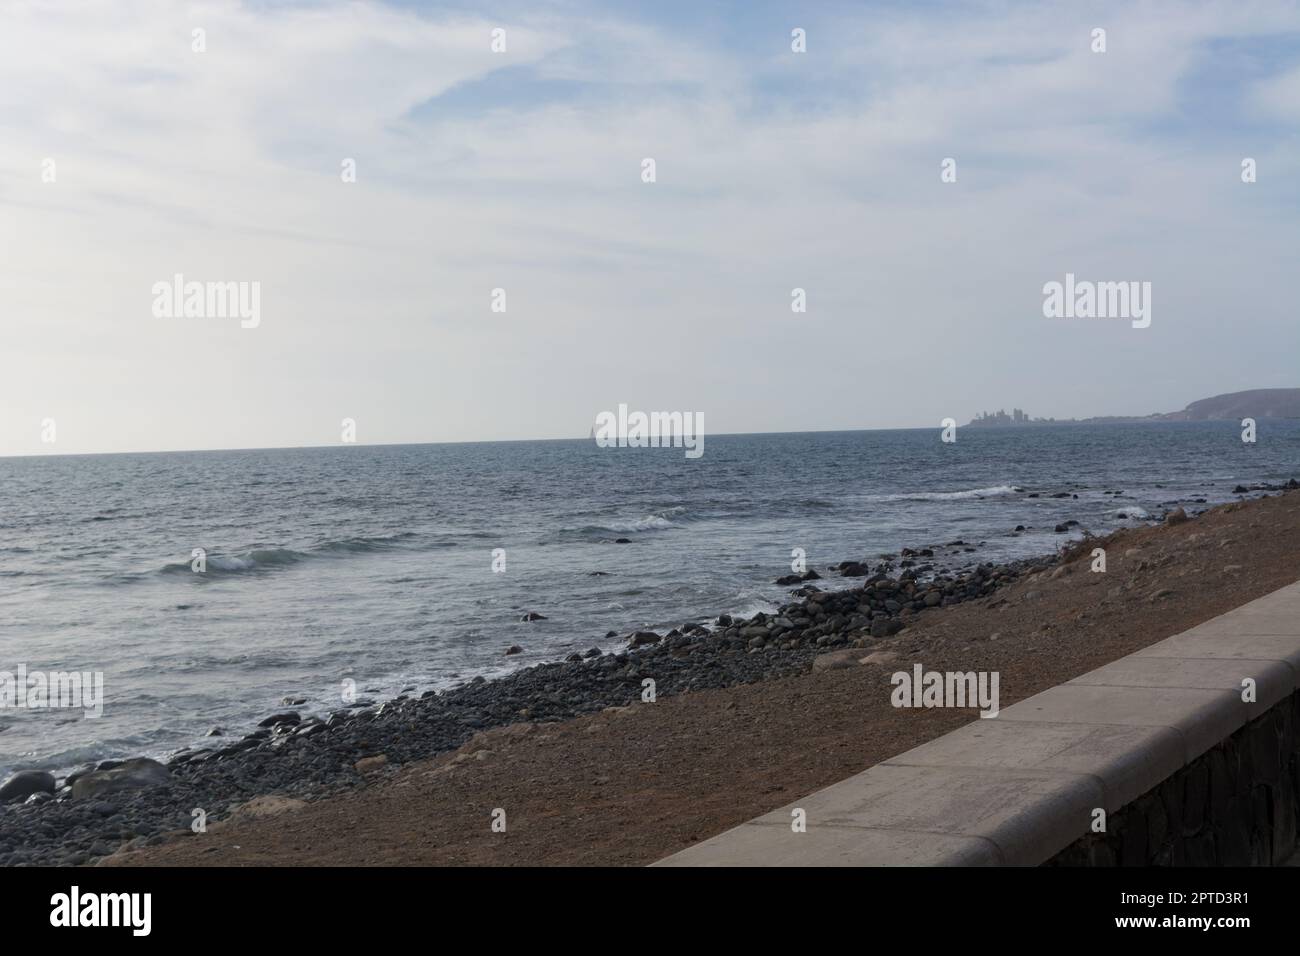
(81, 771)
(882, 658)
(26, 782)
(268, 805)
(886, 626)
(275, 720)
(134, 774)
(835, 660)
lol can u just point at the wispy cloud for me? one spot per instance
(520, 170)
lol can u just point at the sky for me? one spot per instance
(128, 157)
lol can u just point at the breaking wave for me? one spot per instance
(269, 559)
(994, 491)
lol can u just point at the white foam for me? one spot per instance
(995, 491)
(648, 523)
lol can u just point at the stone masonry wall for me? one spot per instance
(1235, 805)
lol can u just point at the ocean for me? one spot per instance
(375, 564)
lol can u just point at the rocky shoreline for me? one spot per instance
(98, 810)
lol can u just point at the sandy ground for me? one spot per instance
(632, 786)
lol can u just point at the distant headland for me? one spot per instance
(1253, 403)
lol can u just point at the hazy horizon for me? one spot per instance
(130, 157)
(1081, 419)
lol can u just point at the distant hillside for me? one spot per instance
(1234, 406)
(1255, 403)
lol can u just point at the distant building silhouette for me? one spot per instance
(1018, 416)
